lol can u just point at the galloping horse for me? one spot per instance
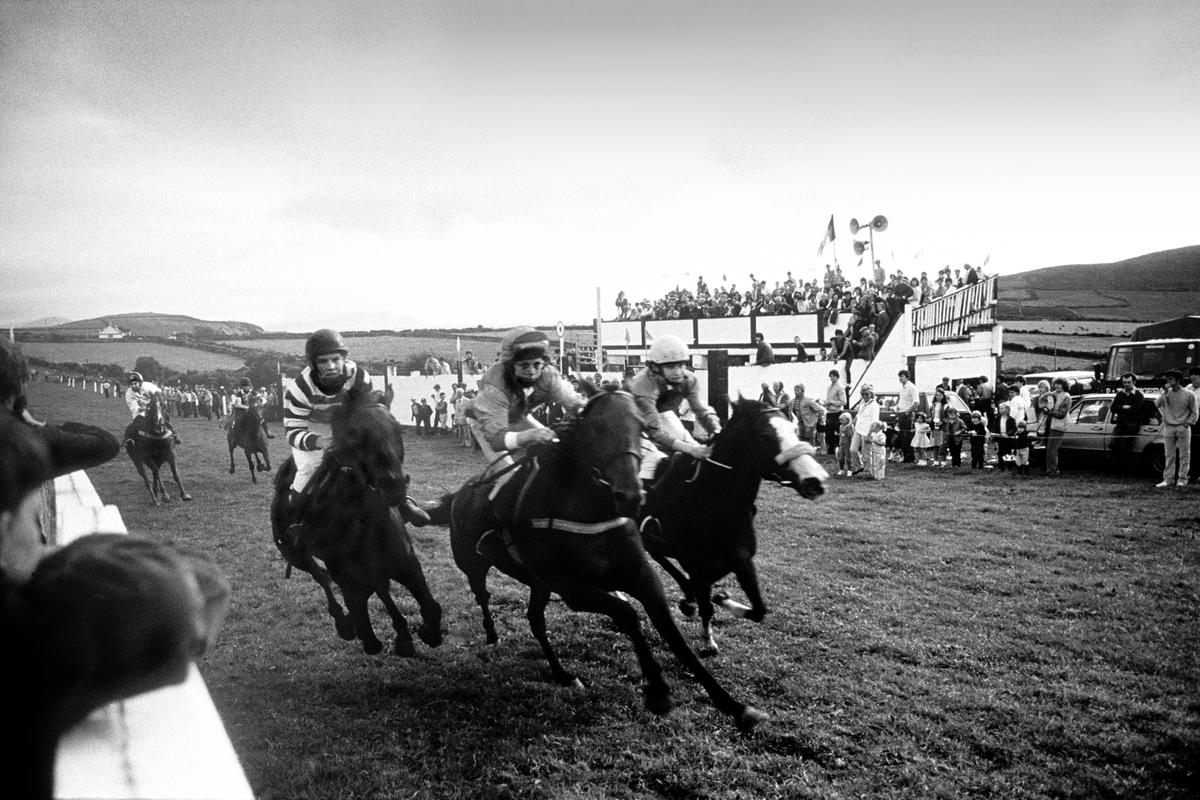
(574, 535)
(151, 444)
(248, 434)
(352, 525)
(706, 517)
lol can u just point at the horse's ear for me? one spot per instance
(588, 389)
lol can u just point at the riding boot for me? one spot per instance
(297, 510)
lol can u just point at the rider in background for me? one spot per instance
(137, 397)
(659, 390)
(308, 405)
(499, 416)
(242, 398)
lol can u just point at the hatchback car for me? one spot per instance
(1089, 434)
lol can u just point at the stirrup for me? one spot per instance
(491, 544)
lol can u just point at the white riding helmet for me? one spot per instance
(668, 349)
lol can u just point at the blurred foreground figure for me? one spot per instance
(104, 618)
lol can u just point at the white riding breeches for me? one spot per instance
(498, 460)
(670, 423)
(307, 462)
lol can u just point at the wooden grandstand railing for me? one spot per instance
(953, 315)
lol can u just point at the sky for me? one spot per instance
(474, 162)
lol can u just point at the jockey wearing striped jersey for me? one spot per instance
(499, 416)
(308, 405)
(659, 390)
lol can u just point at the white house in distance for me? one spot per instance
(112, 332)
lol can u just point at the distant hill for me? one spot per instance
(1147, 288)
(44, 322)
(152, 324)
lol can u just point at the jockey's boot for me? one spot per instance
(297, 510)
(413, 514)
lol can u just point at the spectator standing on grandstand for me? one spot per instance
(763, 356)
(867, 343)
(801, 353)
(836, 401)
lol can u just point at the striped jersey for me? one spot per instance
(307, 410)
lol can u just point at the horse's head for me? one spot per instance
(606, 440)
(156, 416)
(769, 442)
(370, 443)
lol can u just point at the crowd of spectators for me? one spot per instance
(830, 294)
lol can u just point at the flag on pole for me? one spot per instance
(987, 259)
(829, 236)
(458, 343)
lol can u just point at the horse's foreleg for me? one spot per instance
(477, 578)
(160, 488)
(412, 577)
(702, 591)
(539, 596)
(649, 593)
(356, 604)
(141, 470)
(587, 598)
(341, 619)
(232, 469)
(183, 495)
(250, 467)
(403, 644)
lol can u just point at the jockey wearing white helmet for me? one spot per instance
(308, 405)
(660, 389)
(137, 397)
(499, 416)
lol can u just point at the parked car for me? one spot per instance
(1089, 434)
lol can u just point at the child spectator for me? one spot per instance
(937, 425)
(956, 430)
(1021, 445)
(978, 432)
(877, 450)
(922, 440)
(845, 439)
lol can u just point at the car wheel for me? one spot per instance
(1154, 458)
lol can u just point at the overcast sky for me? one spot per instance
(401, 164)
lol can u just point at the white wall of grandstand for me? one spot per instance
(955, 336)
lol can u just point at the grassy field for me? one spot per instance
(126, 353)
(943, 634)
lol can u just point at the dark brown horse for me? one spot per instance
(573, 534)
(248, 434)
(352, 526)
(706, 509)
(151, 444)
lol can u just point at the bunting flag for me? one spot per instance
(829, 236)
(987, 259)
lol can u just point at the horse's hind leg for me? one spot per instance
(539, 596)
(477, 578)
(587, 598)
(403, 645)
(649, 593)
(688, 604)
(232, 447)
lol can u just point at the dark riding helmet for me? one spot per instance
(524, 342)
(246, 384)
(133, 377)
(322, 343)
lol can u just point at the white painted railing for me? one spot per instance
(169, 743)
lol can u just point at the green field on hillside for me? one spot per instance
(125, 353)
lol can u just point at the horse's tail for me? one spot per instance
(440, 514)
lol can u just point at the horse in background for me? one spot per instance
(151, 444)
(352, 533)
(571, 532)
(706, 508)
(248, 433)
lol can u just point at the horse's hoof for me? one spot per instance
(708, 649)
(231, 470)
(574, 685)
(375, 647)
(344, 627)
(185, 497)
(404, 648)
(430, 636)
(687, 608)
(658, 701)
(749, 718)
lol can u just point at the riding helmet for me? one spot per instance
(668, 349)
(322, 343)
(525, 342)
(134, 376)
(246, 383)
